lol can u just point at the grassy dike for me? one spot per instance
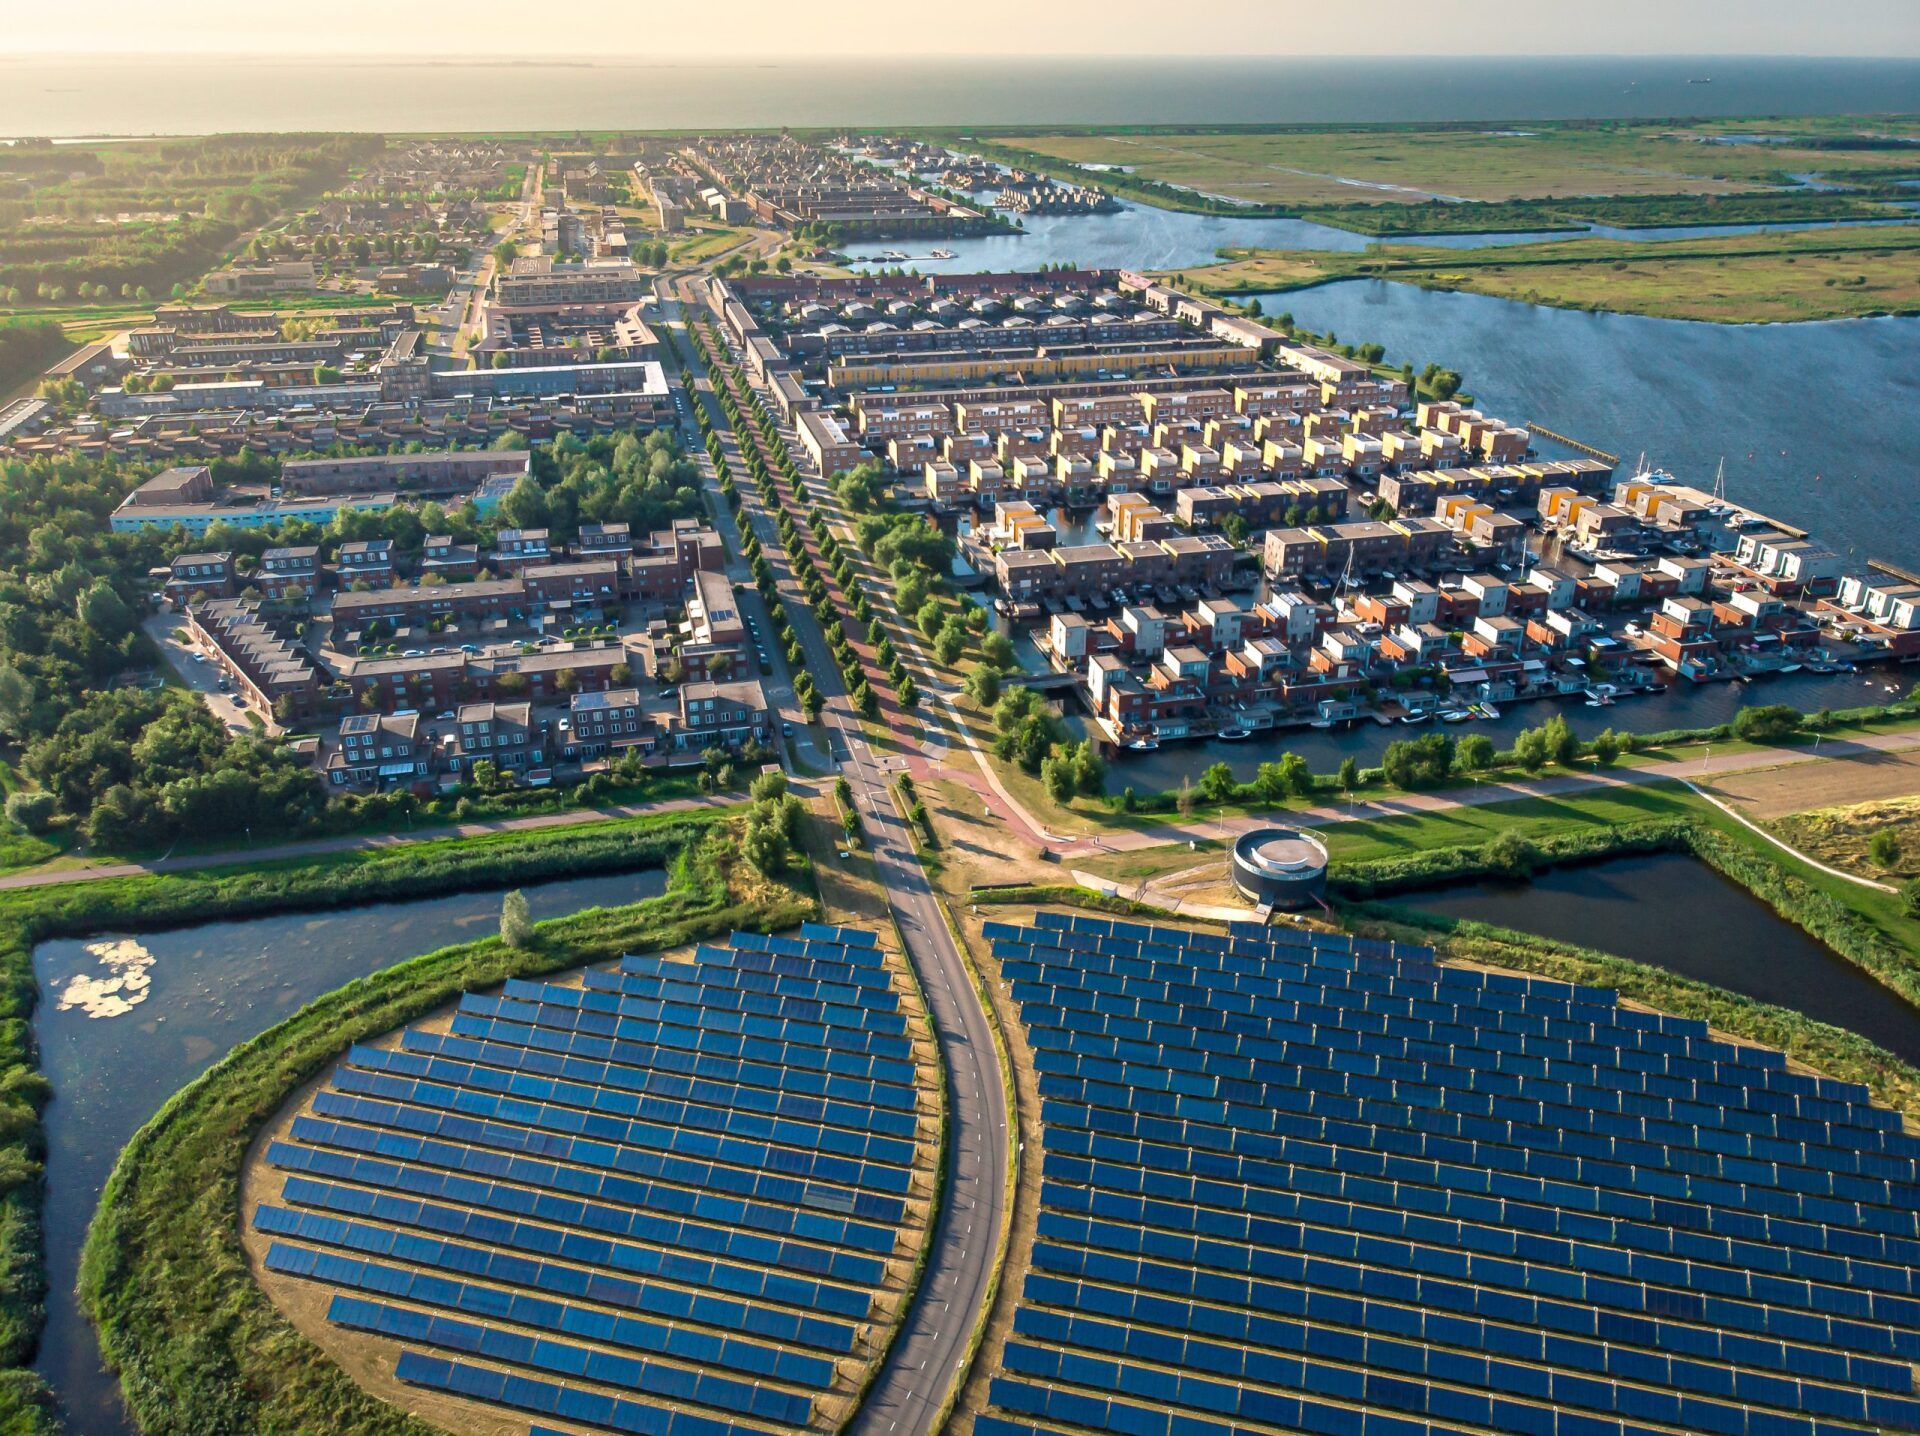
(200, 1348)
(30, 916)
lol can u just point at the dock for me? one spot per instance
(1579, 448)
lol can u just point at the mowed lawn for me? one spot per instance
(1348, 166)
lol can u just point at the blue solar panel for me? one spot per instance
(654, 1201)
(1328, 1185)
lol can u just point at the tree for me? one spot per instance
(1057, 773)
(1089, 769)
(1530, 748)
(31, 812)
(1349, 777)
(908, 692)
(525, 505)
(1910, 896)
(1769, 723)
(997, 649)
(1513, 853)
(929, 617)
(983, 685)
(951, 641)
(516, 921)
(1419, 763)
(1883, 848)
(1475, 753)
(768, 786)
(1217, 784)
(1606, 748)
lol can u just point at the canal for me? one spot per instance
(126, 1020)
(1672, 911)
(1683, 705)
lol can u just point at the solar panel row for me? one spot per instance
(1720, 1341)
(686, 1061)
(1309, 1182)
(779, 1051)
(654, 1202)
(715, 1223)
(572, 1266)
(669, 1133)
(421, 1052)
(680, 1343)
(527, 1393)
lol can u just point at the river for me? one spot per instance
(125, 1021)
(1672, 911)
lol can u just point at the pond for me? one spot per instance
(126, 1020)
(1672, 911)
(1816, 421)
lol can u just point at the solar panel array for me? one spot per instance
(1303, 1182)
(677, 1198)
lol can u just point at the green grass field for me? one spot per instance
(1772, 277)
(1405, 165)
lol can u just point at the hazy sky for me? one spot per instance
(783, 29)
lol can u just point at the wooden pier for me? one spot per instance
(1575, 444)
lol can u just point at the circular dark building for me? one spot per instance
(1280, 866)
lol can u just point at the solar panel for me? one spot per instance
(1329, 1185)
(662, 1199)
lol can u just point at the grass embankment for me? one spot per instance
(30, 916)
(1849, 837)
(1770, 277)
(199, 1346)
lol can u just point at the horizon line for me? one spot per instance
(778, 59)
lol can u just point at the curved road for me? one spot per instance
(923, 1366)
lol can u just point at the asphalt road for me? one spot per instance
(924, 1363)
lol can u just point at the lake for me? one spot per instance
(1672, 911)
(1140, 236)
(126, 1020)
(1817, 422)
(108, 94)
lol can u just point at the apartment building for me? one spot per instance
(725, 715)
(288, 573)
(502, 732)
(377, 750)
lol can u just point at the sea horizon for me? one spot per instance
(73, 96)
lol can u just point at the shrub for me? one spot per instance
(516, 921)
(1768, 723)
(31, 812)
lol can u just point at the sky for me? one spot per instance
(663, 29)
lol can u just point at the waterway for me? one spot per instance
(1140, 236)
(1672, 911)
(1816, 421)
(1682, 705)
(126, 1020)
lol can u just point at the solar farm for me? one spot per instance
(683, 1196)
(1299, 1182)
